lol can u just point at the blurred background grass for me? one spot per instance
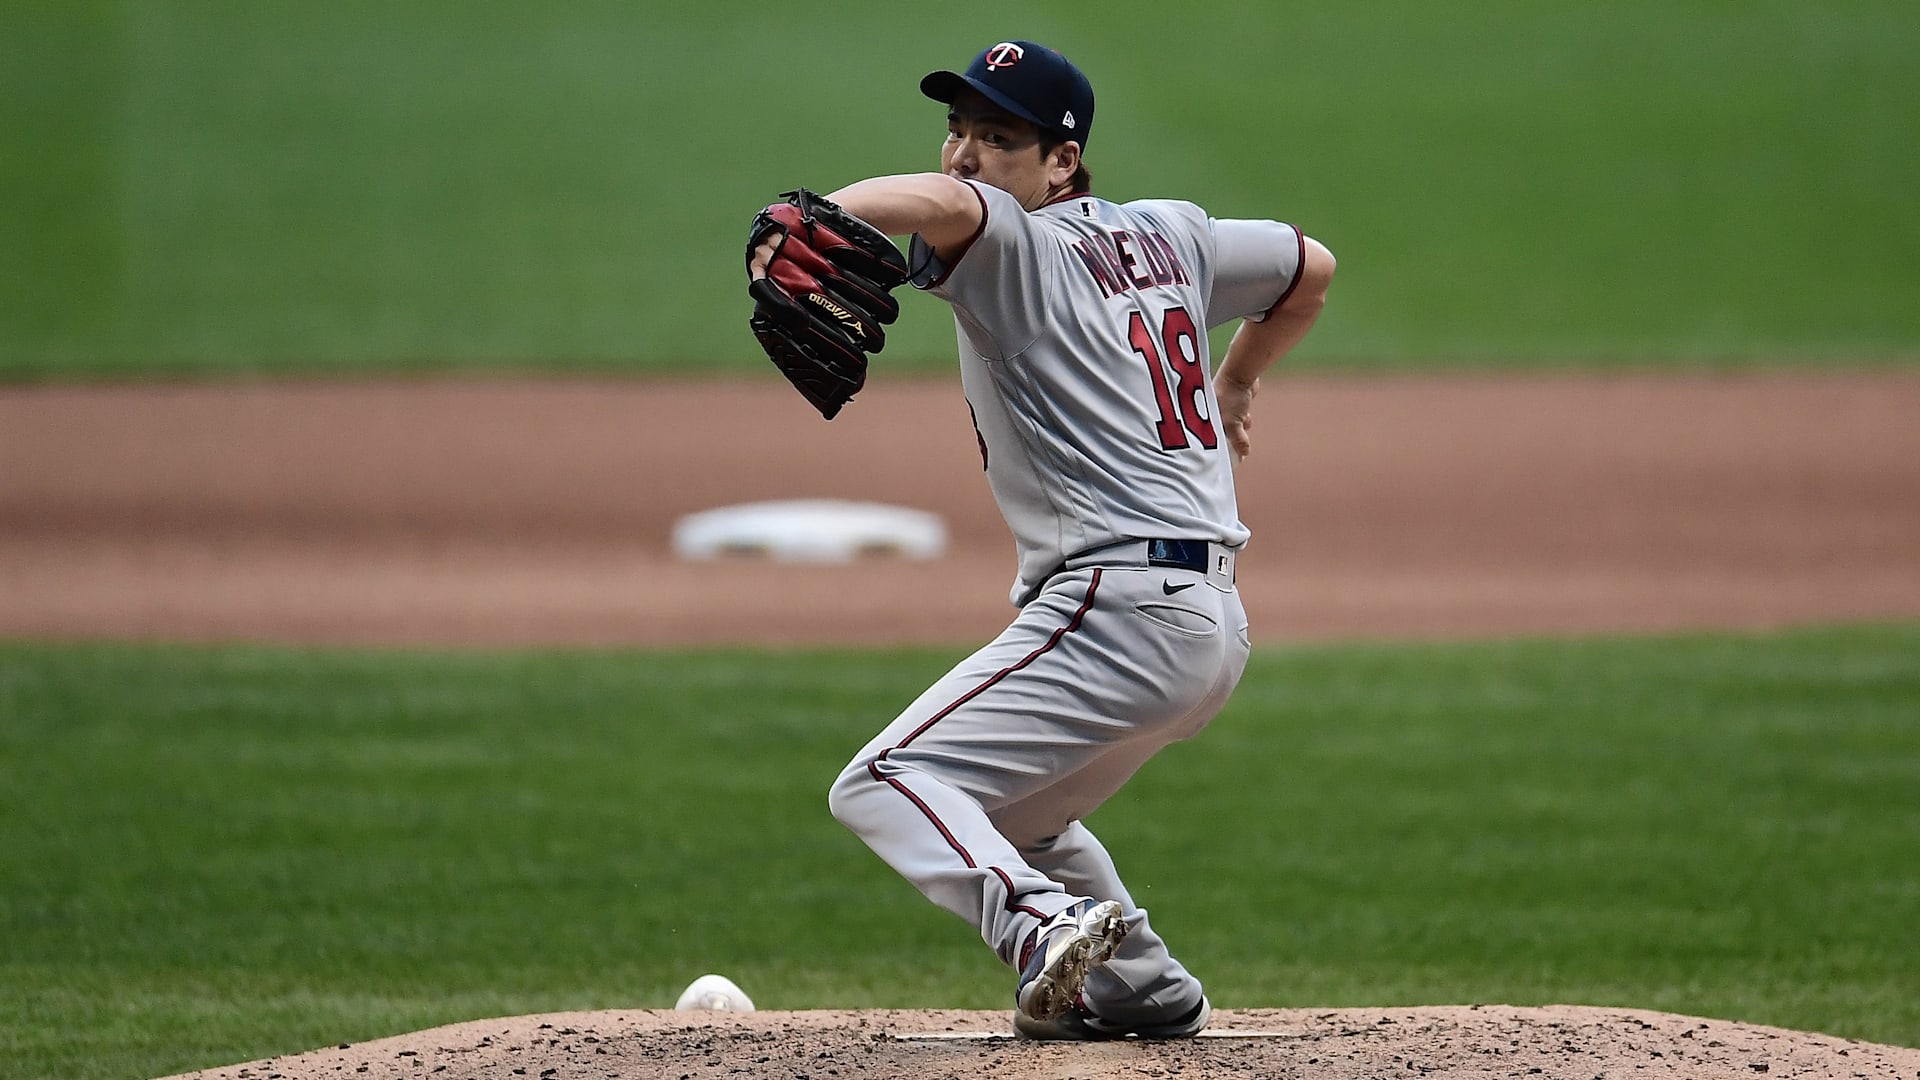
(220, 187)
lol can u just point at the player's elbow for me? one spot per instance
(1319, 258)
(1320, 265)
(1316, 274)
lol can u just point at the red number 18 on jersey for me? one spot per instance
(1188, 394)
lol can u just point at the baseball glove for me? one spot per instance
(819, 310)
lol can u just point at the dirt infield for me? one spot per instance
(503, 513)
(1312, 1044)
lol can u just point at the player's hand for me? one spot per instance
(762, 256)
(1236, 412)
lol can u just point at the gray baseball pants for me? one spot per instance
(975, 793)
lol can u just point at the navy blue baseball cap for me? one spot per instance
(1030, 81)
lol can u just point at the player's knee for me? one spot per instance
(843, 796)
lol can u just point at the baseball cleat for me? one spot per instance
(1067, 947)
(1079, 1024)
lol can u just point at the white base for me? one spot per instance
(810, 530)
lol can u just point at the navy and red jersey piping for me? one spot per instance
(1299, 267)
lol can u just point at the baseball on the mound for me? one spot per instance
(714, 992)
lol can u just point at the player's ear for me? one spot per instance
(1065, 161)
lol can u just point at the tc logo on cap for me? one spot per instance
(1006, 54)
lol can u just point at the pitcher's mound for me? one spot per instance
(1447, 1041)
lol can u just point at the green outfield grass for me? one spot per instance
(191, 188)
(215, 854)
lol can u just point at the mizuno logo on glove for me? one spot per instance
(847, 318)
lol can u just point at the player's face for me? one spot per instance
(991, 145)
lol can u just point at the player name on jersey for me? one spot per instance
(1130, 260)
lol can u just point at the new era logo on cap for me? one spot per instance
(1067, 121)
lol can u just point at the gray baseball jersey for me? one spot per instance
(1083, 352)
(1084, 356)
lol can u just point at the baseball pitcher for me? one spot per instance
(1109, 447)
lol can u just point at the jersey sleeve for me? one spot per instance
(1256, 266)
(1000, 279)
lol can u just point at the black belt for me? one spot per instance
(1176, 554)
(1179, 554)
